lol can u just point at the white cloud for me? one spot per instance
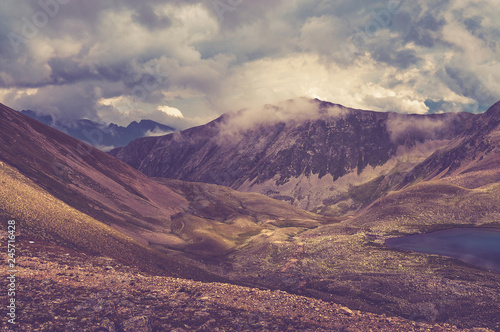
(171, 111)
(270, 81)
(293, 112)
(157, 132)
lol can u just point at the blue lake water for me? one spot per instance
(476, 246)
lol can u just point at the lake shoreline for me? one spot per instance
(476, 246)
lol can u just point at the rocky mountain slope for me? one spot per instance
(91, 293)
(434, 173)
(65, 191)
(308, 152)
(472, 159)
(103, 136)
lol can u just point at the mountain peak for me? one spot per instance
(99, 134)
(494, 110)
(133, 124)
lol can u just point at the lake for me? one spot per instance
(476, 246)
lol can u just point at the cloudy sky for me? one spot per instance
(186, 62)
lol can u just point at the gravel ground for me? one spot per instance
(63, 290)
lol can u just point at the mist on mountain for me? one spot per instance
(102, 136)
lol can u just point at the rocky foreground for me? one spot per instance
(62, 290)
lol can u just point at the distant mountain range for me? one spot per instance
(104, 137)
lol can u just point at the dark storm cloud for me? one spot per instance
(146, 16)
(67, 101)
(468, 84)
(389, 54)
(423, 31)
(355, 11)
(68, 71)
(236, 13)
(5, 45)
(473, 24)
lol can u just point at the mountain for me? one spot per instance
(472, 159)
(311, 153)
(100, 239)
(100, 135)
(382, 175)
(63, 190)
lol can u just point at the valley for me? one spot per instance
(66, 194)
(230, 165)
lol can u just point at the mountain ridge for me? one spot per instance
(478, 149)
(100, 135)
(294, 153)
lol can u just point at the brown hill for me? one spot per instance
(65, 191)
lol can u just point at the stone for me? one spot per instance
(137, 324)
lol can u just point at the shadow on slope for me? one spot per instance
(96, 197)
(219, 219)
(40, 215)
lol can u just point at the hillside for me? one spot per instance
(347, 262)
(62, 190)
(307, 152)
(81, 292)
(471, 160)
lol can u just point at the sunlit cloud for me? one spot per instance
(174, 112)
